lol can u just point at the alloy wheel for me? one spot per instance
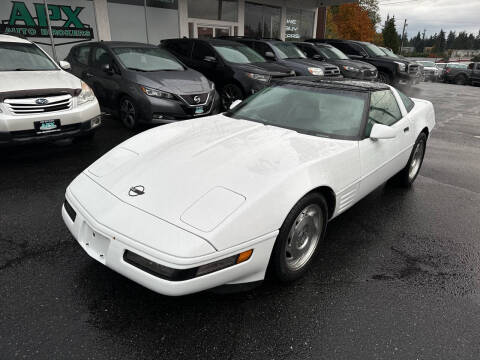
(128, 113)
(303, 237)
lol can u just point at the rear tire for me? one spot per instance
(301, 233)
(408, 175)
(460, 80)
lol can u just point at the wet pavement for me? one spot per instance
(397, 278)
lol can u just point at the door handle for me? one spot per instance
(406, 129)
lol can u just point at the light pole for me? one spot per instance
(54, 53)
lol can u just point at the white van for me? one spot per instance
(40, 101)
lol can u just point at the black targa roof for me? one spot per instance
(339, 84)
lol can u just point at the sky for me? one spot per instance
(433, 15)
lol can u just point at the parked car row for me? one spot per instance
(178, 79)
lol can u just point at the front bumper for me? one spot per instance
(109, 246)
(370, 75)
(80, 120)
(157, 110)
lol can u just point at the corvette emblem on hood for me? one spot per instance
(136, 190)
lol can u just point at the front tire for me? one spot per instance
(128, 113)
(229, 94)
(408, 175)
(298, 239)
(383, 77)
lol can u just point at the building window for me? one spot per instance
(262, 21)
(299, 24)
(226, 10)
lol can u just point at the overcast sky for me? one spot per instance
(433, 15)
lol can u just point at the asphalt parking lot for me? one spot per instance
(397, 278)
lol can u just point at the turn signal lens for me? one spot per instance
(244, 256)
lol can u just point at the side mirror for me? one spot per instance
(318, 57)
(235, 103)
(270, 55)
(380, 132)
(65, 65)
(108, 69)
(210, 59)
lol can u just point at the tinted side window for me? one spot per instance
(101, 57)
(383, 109)
(346, 48)
(307, 50)
(470, 66)
(82, 54)
(200, 50)
(180, 47)
(409, 104)
(262, 48)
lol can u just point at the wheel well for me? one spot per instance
(238, 84)
(329, 197)
(425, 131)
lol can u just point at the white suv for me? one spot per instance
(38, 99)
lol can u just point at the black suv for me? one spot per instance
(353, 69)
(390, 70)
(236, 70)
(287, 54)
(142, 83)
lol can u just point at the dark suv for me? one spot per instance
(392, 71)
(353, 69)
(236, 70)
(142, 83)
(287, 54)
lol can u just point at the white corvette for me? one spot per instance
(217, 200)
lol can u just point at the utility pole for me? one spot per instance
(54, 53)
(403, 35)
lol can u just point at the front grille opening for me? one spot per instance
(71, 213)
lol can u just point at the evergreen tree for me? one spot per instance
(440, 42)
(390, 34)
(451, 39)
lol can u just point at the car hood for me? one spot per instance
(178, 82)
(308, 63)
(265, 68)
(213, 159)
(12, 81)
(353, 63)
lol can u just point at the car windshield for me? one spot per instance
(147, 59)
(329, 52)
(427, 63)
(315, 111)
(389, 52)
(373, 50)
(288, 51)
(238, 54)
(24, 57)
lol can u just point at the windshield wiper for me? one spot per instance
(136, 69)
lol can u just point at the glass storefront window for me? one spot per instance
(299, 24)
(226, 10)
(262, 21)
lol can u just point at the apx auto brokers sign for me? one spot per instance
(31, 21)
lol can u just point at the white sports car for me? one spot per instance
(217, 200)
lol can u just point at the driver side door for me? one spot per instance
(382, 158)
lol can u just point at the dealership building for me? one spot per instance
(150, 21)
